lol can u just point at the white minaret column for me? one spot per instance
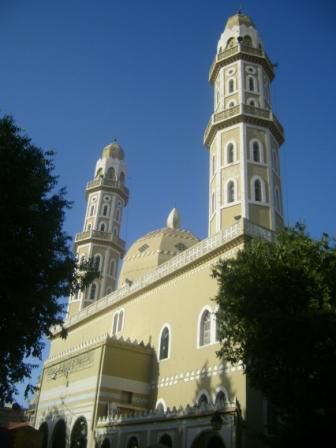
(243, 135)
(106, 198)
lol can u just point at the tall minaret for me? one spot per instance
(243, 135)
(106, 197)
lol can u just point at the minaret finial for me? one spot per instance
(173, 220)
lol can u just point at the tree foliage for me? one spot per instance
(277, 315)
(37, 266)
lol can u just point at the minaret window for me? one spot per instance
(97, 262)
(231, 85)
(105, 210)
(257, 190)
(122, 178)
(111, 173)
(247, 40)
(220, 397)
(213, 202)
(205, 328)
(252, 102)
(230, 155)
(92, 210)
(93, 290)
(88, 227)
(230, 192)
(251, 83)
(230, 43)
(256, 153)
(102, 227)
(203, 400)
(164, 343)
(213, 165)
(115, 324)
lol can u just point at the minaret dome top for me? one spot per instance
(113, 150)
(239, 29)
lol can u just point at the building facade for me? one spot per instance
(139, 365)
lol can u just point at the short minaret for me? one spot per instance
(106, 198)
(243, 134)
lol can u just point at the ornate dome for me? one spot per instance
(113, 150)
(153, 249)
(238, 20)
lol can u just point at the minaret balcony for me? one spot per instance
(241, 51)
(100, 237)
(107, 184)
(243, 113)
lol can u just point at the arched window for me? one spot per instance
(111, 173)
(133, 443)
(92, 210)
(99, 173)
(115, 324)
(230, 191)
(230, 155)
(105, 210)
(231, 85)
(59, 435)
(102, 227)
(213, 165)
(79, 433)
(205, 328)
(164, 343)
(161, 406)
(88, 227)
(256, 152)
(247, 40)
(97, 262)
(120, 320)
(122, 178)
(166, 441)
(257, 191)
(93, 290)
(251, 84)
(220, 397)
(230, 43)
(203, 400)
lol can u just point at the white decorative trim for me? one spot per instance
(162, 402)
(203, 392)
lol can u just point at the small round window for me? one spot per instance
(251, 69)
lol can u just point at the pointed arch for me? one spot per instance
(258, 193)
(204, 327)
(230, 153)
(256, 151)
(165, 342)
(231, 85)
(111, 173)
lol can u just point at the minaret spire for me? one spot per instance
(106, 197)
(243, 134)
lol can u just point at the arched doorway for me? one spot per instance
(106, 444)
(166, 441)
(79, 434)
(44, 430)
(208, 439)
(59, 435)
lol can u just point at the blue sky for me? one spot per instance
(77, 73)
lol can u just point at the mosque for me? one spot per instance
(139, 367)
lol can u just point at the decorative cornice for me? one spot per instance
(210, 247)
(228, 409)
(241, 51)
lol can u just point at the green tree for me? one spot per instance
(37, 266)
(277, 315)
